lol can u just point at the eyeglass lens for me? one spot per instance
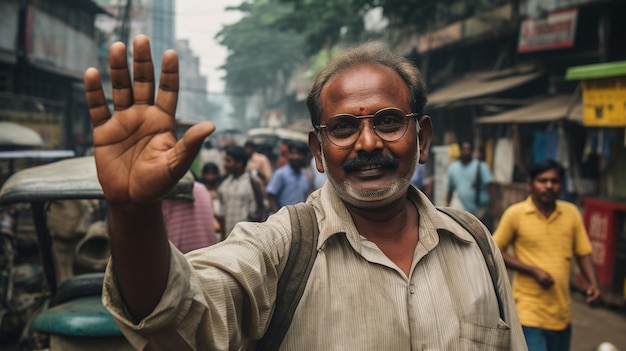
(389, 124)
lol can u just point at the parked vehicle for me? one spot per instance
(68, 316)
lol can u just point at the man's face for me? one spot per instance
(210, 177)
(372, 172)
(546, 187)
(296, 159)
(231, 165)
(466, 152)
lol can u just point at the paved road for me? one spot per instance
(592, 326)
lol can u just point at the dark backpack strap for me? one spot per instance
(473, 226)
(292, 282)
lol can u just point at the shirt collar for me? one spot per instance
(335, 219)
(530, 207)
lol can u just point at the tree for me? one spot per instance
(260, 56)
(325, 22)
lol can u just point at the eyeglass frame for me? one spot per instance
(415, 115)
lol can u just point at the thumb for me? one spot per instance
(187, 147)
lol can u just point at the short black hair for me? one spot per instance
(250, 143)
(210, 168)
(299, 147)
(543, 166)
(238, 153)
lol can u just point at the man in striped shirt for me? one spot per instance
(390, 273)
(545, 233)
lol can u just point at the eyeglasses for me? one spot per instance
(389, 124)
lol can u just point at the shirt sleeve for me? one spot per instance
(214, 300)
(582, 244)
(487, 177)
(275, 184)
(505, 232)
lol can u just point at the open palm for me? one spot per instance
(137, 155)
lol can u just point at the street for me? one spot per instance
(592, 326)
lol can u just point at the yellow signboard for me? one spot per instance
(604, 102)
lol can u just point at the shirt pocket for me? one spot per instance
(480, 337)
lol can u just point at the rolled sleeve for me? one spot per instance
(217, 298)
(173, 308)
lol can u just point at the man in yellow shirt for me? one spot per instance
(545, 233)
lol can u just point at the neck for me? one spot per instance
(384, 223)
(546, 208)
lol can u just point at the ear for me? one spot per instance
(425, 135)
(316, 150)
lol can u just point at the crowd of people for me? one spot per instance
(244, 185)
(390, 270)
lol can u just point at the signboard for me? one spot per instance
(9, 15)
(55, 46)
(604, 102)
(557, 31)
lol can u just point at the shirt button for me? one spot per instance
(412, 289)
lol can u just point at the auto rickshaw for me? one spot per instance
(67, 316)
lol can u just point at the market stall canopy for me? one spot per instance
(284, 134)
(481, 84)
(545, 110)
(14, 135)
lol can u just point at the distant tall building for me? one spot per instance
(156, 19)
(160, 26)
(193, 102)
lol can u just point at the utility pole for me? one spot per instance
(125, 28)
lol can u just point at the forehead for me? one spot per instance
(364, 89)
(549, 174)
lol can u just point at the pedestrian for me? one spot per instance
(474, 186)
(189, 221)
(210, 154)
(241, 193)
(545, 233)
(390, 272)
(258, 162)
(212, 178)
(292, 182)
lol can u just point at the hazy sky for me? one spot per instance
(199, 21)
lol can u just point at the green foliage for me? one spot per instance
(323, 22)
(258, 52)
(274, 35)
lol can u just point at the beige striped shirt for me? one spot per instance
(221, 297)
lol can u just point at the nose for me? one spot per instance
(368, 141)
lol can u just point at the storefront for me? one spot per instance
(604, 113)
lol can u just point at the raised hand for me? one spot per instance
(137, 155)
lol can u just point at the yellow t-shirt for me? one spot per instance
(548, 243)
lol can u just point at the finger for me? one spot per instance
(186, 149)
(96, 101)
(120, 77)
(168, 84)
(143, 71)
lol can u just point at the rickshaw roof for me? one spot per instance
(74, 178)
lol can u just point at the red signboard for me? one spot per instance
(557, 31)
(602, 219)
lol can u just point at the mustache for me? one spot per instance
(364, 159)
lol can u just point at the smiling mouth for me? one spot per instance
(370, 167)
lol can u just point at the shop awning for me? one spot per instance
(481, 84)
(15, 135)
(545, 110)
